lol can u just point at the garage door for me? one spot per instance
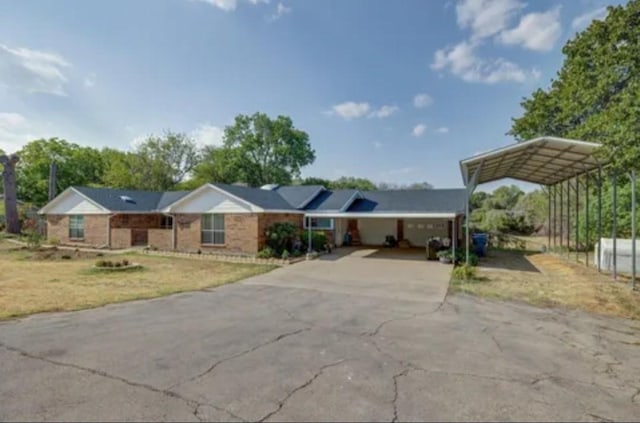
(374, 231)
(417, 231)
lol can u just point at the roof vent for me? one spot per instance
(270, 187)
(127, 199)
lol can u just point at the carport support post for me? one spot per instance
(586, 219)
(308, 235)
(614, 223)
(568, 218)
(555, 215)
(549, 218)
(599, 218)
(453, 240)
(633, 229)
(561, 216)
(466, 228)
(577, 218)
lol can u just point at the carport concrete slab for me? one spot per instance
(298, 345)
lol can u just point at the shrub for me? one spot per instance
(125, 262)
(108, 263)
(65, 257)
(461, 257)
(101, 263)
(318, 241)
(54, 240)
(265, 253)
(281, 236)
(34, 240)
(100, 255)
(296, 253)
(285, 255)
(464, 272)
(444, 254)
(117, 264)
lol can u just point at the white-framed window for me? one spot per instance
(76, 227)
(319, 223)
(212, 229)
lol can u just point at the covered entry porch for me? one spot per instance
(414, 229)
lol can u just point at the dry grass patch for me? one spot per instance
(547, 280)
(28, 285)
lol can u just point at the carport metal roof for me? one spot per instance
(545, 161)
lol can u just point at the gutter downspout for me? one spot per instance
(109, 230)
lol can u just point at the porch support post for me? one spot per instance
(308, 234)
(614, 225)
(466, 229)
(453, 240)
(633, 229)
(599, 218)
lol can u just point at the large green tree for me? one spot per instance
(596, 97)
(159, 163)
(76, 165)
(264, 150)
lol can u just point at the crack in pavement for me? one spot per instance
(282, 402)
(394, 402)
(101, 373)
(599, 418)
(239, 354)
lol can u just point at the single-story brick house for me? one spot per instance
(233, 218)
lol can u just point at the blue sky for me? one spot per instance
(395, 91)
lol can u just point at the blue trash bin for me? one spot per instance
(480, 242)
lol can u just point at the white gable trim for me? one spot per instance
(71, 190)
(252, 207)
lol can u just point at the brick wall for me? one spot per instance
(267, 219)
(160, 238)
(120, 238)
(95, 229)
(241, 233)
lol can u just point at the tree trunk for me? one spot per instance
(10, 199)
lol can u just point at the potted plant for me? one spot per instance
(445, 256)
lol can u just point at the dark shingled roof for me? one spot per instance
(411, 201)
(143, 201)
(298, 195)
(267, 199)
(331, 200)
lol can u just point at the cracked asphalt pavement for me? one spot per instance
(346, 338)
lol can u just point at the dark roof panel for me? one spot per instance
(299, 195)
(411, 201)
(118, 199)
(331, 200)
(267, 199)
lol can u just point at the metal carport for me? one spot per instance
(552, 162)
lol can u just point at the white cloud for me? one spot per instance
(582, 21)
(384, 111)
(281, 10)
(422, 100)
(486, 17)
(377, 145)
(350, 110)
(89, 81)
(462, 61)
(442, 130)
(207, 135)
(32, 70)
(536, 31)
(14, 132)
(231, 5)
(419, 130)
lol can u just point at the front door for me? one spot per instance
(139, 237)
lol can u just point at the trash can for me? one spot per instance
(480, 244)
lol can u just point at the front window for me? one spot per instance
(76, 227)
(319, 223)
(212, 231)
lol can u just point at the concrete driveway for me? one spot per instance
(361, 337)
